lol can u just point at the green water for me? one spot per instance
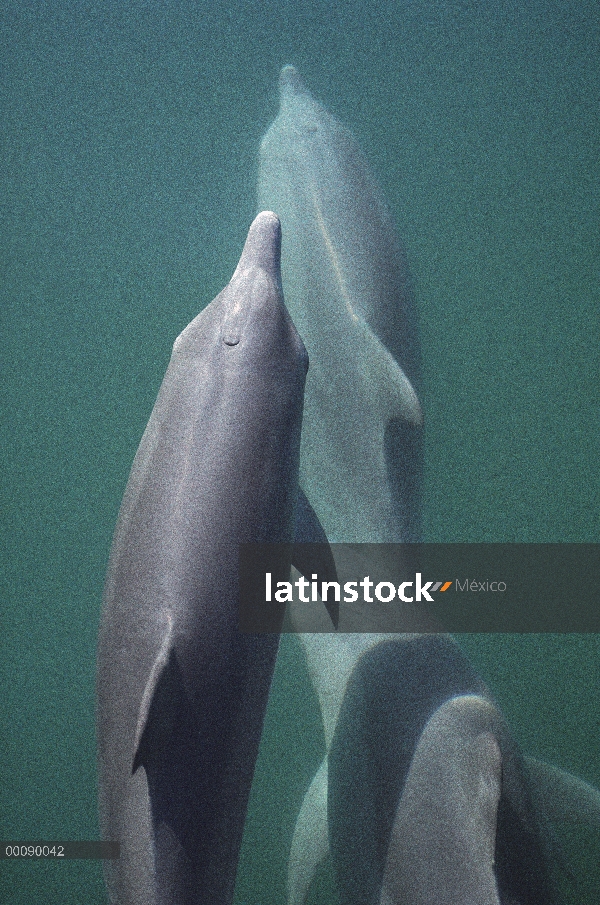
(130, 135)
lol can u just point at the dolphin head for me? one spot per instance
(298, 101)
(248, 323)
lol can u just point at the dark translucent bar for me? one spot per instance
(424, 588)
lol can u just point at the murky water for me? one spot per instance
(130, 134)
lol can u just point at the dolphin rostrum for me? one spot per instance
(181, 692)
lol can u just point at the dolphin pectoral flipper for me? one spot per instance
(308, 527)
(561, 796)
(393, 393)
(161, 706)
(310, 842)
(311, 553)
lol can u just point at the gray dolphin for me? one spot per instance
(348, 290)
(181, 693)
(429, 799)
(443, 842)
(466, 794)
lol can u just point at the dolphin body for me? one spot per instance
(429, 800)
(181, 693)
(444, 837)
(348, 291)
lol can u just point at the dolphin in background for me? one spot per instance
(430, 801)
(443, 840)
(348, 291)
(465, 829)
(181, 693)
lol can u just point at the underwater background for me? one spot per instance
(130, 135)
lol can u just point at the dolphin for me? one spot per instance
(181, 692)
(443, 841)
(444, 836)
(469, 820)
(429, 798)
(348, 291)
